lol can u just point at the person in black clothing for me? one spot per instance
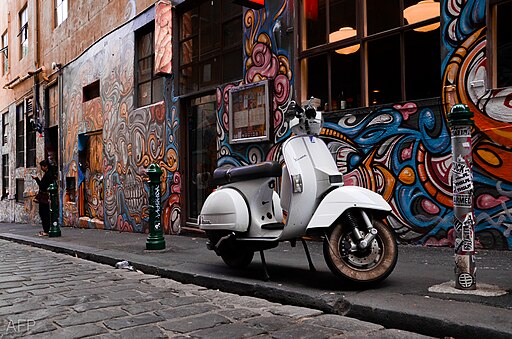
(44, 204)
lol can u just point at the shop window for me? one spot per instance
(149, 87)
(31, 134)
(210, 44)
(422, 64)
(5, 126)
(5, 53)
(373, 53)
(5, 176)
(20, 189)
(61, 11)
(23, 34)
(501, 39)
(384, 70)
(316, 80)
(20, 135)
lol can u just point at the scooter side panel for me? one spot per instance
(342, 198)
(224, 209)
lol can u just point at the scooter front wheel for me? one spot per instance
(370, 265)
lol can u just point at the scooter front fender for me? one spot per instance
(342, 198)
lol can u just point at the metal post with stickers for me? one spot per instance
(460, 122)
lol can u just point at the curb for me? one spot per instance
(408, 317)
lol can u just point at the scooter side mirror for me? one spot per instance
(310, 112)
(293, 111)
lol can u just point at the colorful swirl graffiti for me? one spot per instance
(402, 151)
(131, 139)
(263, 60)
(464, 65)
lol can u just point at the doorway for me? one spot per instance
(52, 147)
(202, 152)
(90, 157)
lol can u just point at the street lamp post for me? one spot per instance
(460, 122)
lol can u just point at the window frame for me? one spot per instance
(52, 103)
(362, 39)
(216, 53)
(149, 28)
(5, 53)
(20, 183)
(23, 33)
(60, 6)
(5, 125)
(30, 134)
(492, 42)
(5, 176)
(20, 135)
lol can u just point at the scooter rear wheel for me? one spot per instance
(237, 258)
(371, 265)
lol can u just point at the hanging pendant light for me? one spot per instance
(423, 10)
(342, 34)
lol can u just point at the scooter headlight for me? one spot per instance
(297, 183)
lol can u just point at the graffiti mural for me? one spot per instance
(401, 150)
(464, 76)
(266, 57)
(130, 138)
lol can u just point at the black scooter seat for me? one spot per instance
(267, 169)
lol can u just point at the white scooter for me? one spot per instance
(245, 213)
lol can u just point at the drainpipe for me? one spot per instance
(61, 143)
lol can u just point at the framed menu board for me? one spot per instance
(249, 112)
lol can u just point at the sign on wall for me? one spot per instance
(249, 112)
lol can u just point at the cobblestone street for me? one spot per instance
(49, 295)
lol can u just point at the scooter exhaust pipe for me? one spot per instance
(222, 244)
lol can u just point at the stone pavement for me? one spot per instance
(50, 295)
(416, 297)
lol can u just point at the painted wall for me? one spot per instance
(402, 150)
(133, 138)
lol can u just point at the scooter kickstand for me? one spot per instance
(266, 277)
(306, 249)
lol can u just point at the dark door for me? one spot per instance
(202, 152)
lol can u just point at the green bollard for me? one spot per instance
(155, 239)
(54, 211)
(460, 121)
